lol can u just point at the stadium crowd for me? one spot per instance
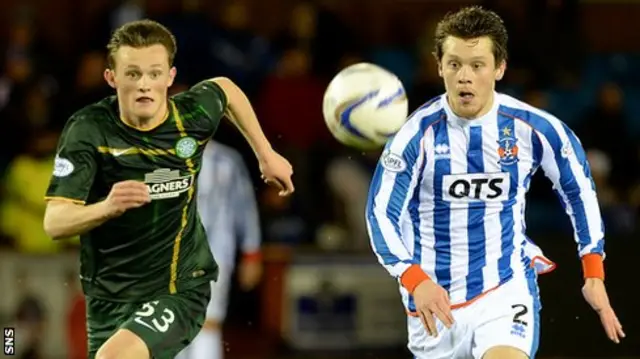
(285, 76)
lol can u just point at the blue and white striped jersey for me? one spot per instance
(227, 204)
(449, 194)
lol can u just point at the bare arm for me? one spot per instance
(64, 219)
(276, 170)
(240, 112)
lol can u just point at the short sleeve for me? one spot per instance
(210, 97)
(75, 165)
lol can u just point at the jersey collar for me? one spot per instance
(462, 122)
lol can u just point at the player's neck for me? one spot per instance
(146, 124)
(487, 106)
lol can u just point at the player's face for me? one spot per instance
(470, 73)
(141, 77)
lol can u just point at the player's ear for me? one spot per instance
(500, 70)
(172, 75)
(110, 77)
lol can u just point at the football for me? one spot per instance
(364, 105)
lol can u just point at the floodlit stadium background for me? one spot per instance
(577, 59)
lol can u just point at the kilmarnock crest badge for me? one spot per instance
(507, 147)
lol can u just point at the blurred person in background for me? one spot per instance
(315, 28)
(18, 90)
(235, 51)
(15, 129)
(600, 165)
(281, 219)
(604, 128)
(22, 209)
(229, 212)
(618, 214)
(28, 60)
(537, 98)
(560, 36)
(192, 28)
(28, 87)
(113, 14)
(352, 196)
(126, 11)
(25, 46)
(89, 86)
(17, 72)
(29, 320)
(426, 84)
(296, 124)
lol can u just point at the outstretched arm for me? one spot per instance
(242, 115)
(275, 169)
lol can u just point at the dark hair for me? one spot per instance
(141, 33)
(470, 23)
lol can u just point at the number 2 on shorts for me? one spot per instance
(521, 311)
(148, 309)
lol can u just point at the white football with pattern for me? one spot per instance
(364, 105)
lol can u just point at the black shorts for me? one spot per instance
(166, 323)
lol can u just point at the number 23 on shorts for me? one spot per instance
(157, 321)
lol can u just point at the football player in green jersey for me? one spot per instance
(125, 181)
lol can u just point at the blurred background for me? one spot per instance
(322, 294)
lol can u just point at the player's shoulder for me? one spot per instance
(428, 113)
(535, 117)
(207, 88)
(202, 105)
(408, 138)
(419, 121)
(91, 117)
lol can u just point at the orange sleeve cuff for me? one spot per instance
(592, 266)
(413, 276)
(252, 257)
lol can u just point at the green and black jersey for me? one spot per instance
(161, 247)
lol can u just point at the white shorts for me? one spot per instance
(506, 316)
(217, 309)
